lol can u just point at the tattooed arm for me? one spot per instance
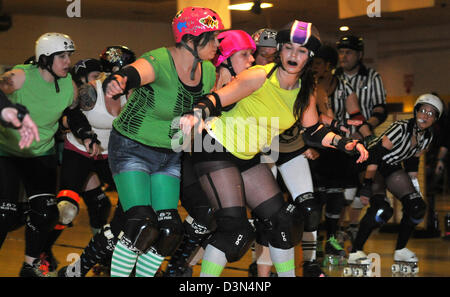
(12, 81)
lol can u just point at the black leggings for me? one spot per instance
(38, 176)
(76, 168)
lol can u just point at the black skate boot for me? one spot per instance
(312, 269)
(38, 269)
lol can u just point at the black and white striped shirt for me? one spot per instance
(400, 134)
(338, 98)
(369, 88)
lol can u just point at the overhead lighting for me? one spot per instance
(248, 6)
(344, 28)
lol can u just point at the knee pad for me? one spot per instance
(193, 228)
(260, 232)
(414, 207)
(141, 229)
(379, 212)
(335, 203)
(171, 231)
(309, 207)
(285, 227)
(98, 206)
(43, 213)
(68, 207)
(9, 216)
(234, 234)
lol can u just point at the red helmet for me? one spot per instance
(195, 21)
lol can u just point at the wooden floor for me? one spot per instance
(434, 253)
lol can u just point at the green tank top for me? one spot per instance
(148, 115)
(255, 120)
(45, 107)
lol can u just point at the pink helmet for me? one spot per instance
(232, 41)
(195, 21)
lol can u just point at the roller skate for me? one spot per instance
(405, 263)
(101, 270)
(334, 253)
(38, 269)
(47, 257)
(358, 265)
(312, 269)
(447, 227)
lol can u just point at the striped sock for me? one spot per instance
(147, 264)
(123, 261)
(283, 260)
(309, 246)
(213, 263)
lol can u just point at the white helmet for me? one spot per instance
(432, 100)
(50, 43)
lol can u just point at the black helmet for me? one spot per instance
(116, 56)
(82, 69)
(328, 54)
(351, 42)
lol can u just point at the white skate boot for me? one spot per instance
(405, 263)
(358, 265)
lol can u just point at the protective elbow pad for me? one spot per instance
(381, 116)
(314, 135)
(171, 232)
(376, 153)
(77, 121)
(68, 206)
(141, 229)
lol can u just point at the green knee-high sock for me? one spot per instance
(213, 263)
(123, 261)
(148, 264)
(283, 260)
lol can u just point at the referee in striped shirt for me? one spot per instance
(367, 84)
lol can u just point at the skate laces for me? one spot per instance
(334, 243)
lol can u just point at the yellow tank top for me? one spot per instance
(255, 120)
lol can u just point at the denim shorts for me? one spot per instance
(125, 154)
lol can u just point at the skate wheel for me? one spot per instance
(415, 270)
(368, 273)
(358, 272)
(347, 272)
(395, 268)
(407, 269)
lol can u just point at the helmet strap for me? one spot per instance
(48, 67)
(196, 57)
(229, 66)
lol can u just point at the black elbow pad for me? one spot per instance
(314, 135)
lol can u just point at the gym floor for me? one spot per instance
(433, 253)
